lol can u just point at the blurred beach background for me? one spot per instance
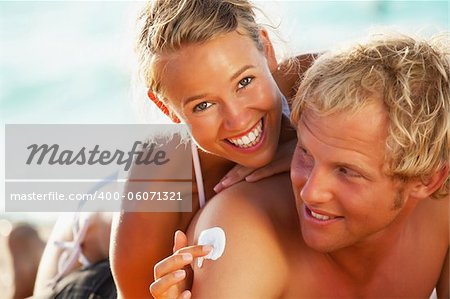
(72, 62)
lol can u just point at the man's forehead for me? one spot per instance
(368, 126)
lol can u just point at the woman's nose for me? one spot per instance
(236, 115)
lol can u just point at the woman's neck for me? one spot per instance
(214, 169)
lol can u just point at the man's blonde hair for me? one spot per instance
(167, 25)
(411, 77)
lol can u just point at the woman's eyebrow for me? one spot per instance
(193, 98)
(233, 77)
(240, 71)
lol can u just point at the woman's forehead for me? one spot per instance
(197, 64)
(231, 45)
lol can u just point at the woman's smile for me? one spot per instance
(250, 138)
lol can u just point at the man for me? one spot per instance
(370, 178)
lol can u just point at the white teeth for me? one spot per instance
(319, 216)
(252, 138)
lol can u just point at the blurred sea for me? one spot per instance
(72, 62)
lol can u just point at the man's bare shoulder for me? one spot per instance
(253, 264)
(438, 210)
(430, 240)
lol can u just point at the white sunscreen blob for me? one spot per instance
(215, 237)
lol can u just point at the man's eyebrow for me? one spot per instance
(300, 143)
(355, 166)
(367, 173)
(299, 136)
(233, 77)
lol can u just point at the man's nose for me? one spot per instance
(316, 187)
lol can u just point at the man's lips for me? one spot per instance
(321, 215)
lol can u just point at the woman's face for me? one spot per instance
(224, 90)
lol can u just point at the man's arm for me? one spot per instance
(253, 264)
(442, 288)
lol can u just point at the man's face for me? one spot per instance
(342, 193)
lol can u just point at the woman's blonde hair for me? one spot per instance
(167, 25)
(411, 77)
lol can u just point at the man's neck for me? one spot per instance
(360, 261)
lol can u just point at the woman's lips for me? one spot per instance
(249, 139)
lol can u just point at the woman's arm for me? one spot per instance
(139, 241)
(289, 73)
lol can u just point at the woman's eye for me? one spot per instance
(202, 106)
(244, 82)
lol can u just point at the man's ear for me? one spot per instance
(162, 107)
(269, 52)
(423, 188)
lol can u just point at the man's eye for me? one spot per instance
(306, 159)
(348, 172)
(202, 106)
(244, 82)
(303, 151)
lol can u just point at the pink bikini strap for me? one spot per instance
(198, 174)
